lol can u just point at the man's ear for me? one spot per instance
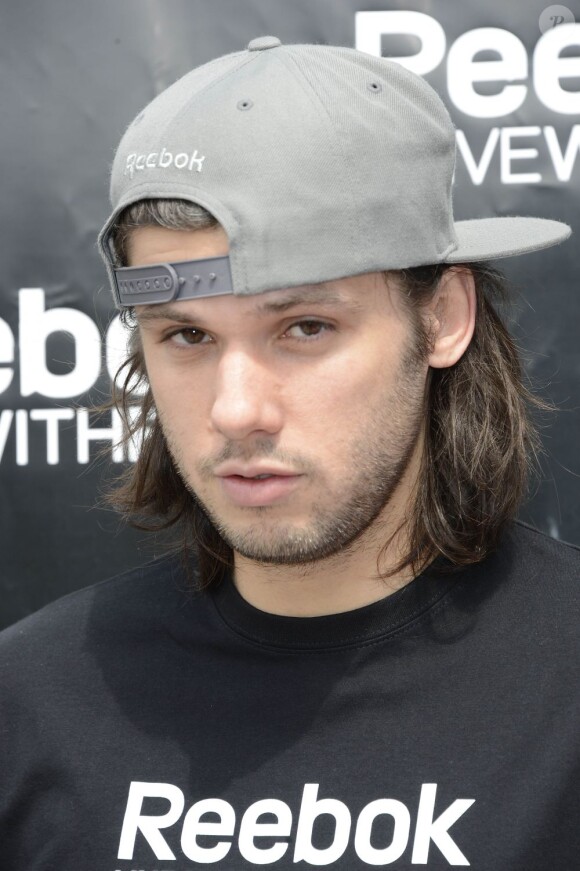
(451, 313)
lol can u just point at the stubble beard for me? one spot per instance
(345, 510)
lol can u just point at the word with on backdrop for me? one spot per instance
(27, 361)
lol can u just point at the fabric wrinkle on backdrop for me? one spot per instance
(78, 72)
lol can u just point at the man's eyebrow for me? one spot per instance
(163, 312)
(306, 295)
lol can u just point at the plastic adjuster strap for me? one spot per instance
(167, 282)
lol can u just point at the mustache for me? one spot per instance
(257, 450)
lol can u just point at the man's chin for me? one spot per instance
(269, 543)
(295, 546)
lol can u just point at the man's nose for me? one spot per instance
(247, 397)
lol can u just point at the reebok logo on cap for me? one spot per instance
(164, 158)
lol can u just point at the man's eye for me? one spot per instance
(309, 330)
(189, 336)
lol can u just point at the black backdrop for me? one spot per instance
(74, 73)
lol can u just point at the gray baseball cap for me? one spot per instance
(319, 162)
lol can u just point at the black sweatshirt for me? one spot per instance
(146, 727)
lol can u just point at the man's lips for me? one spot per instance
(252, 471)
(246, 487)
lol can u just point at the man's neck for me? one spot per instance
(340, 583)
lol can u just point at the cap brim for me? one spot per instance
(491, 238)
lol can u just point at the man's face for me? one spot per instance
(294, 415)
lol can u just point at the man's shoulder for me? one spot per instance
(533, 548)
(534, 581)
(119, 603)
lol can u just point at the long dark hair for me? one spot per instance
(480, 442)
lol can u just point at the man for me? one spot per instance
(358, 658)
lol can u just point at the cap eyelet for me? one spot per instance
(375, 87)
(244, 105)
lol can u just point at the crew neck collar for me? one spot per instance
(358, 627)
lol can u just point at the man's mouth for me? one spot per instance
(254, 491)
(253, 470)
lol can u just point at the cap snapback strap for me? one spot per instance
(167, 282)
